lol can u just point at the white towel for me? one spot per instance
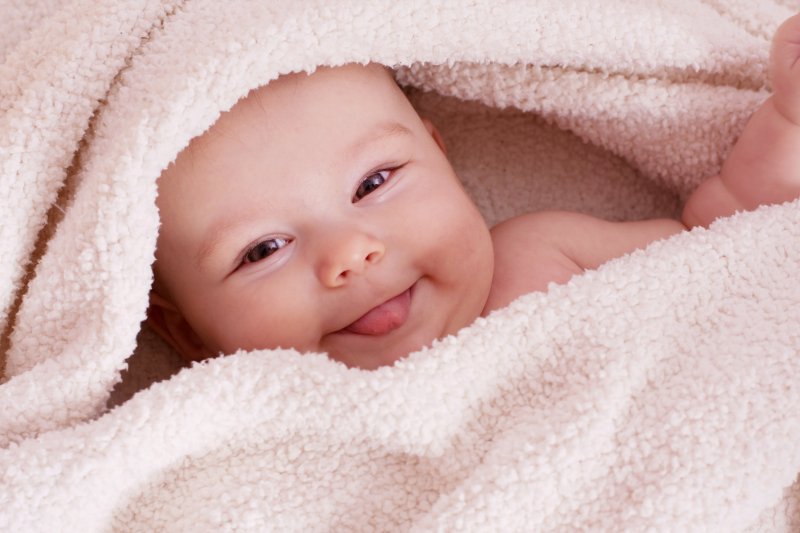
(656, 392)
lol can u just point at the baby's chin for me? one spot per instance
(375, 354)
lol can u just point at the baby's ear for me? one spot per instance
(434, 133)
(168, 322)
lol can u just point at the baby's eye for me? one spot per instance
(370, 183)
(264, 249)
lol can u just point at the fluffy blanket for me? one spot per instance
(658, 392)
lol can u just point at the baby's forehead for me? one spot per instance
(324, 90)
(292, 116)
(299, 90)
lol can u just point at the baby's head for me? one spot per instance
(320, 213)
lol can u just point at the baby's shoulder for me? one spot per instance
(538, 226)
(528, 256)
(533, 250)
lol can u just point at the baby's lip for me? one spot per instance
(383, 318)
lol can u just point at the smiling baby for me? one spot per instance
(321, 213)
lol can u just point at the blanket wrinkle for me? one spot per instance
(22, 90)
(653, 393)
(600, 110)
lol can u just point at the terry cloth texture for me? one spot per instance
(658, 391)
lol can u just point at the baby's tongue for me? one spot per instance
(384, 318)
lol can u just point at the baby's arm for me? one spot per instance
(764, 166)
(531, 251)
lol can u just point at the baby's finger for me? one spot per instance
(785, 68)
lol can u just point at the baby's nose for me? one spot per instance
(348, 256)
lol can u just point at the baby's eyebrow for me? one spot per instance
(218, 235)
(380, 131)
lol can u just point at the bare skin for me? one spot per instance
(313, 201)
(763, 168)
(321, 214)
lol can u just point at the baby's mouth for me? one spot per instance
(385, 317)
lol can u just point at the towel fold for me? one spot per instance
(655, 392)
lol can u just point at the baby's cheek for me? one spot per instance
(460, 241)
(263, 317)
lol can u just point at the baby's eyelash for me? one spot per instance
(365, 187)
(263, 249)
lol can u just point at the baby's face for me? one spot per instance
(320, 214)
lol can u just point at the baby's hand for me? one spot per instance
(764, 166)
(785, 69)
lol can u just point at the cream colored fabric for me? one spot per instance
(657, 391)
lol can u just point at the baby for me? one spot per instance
(321, 213)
